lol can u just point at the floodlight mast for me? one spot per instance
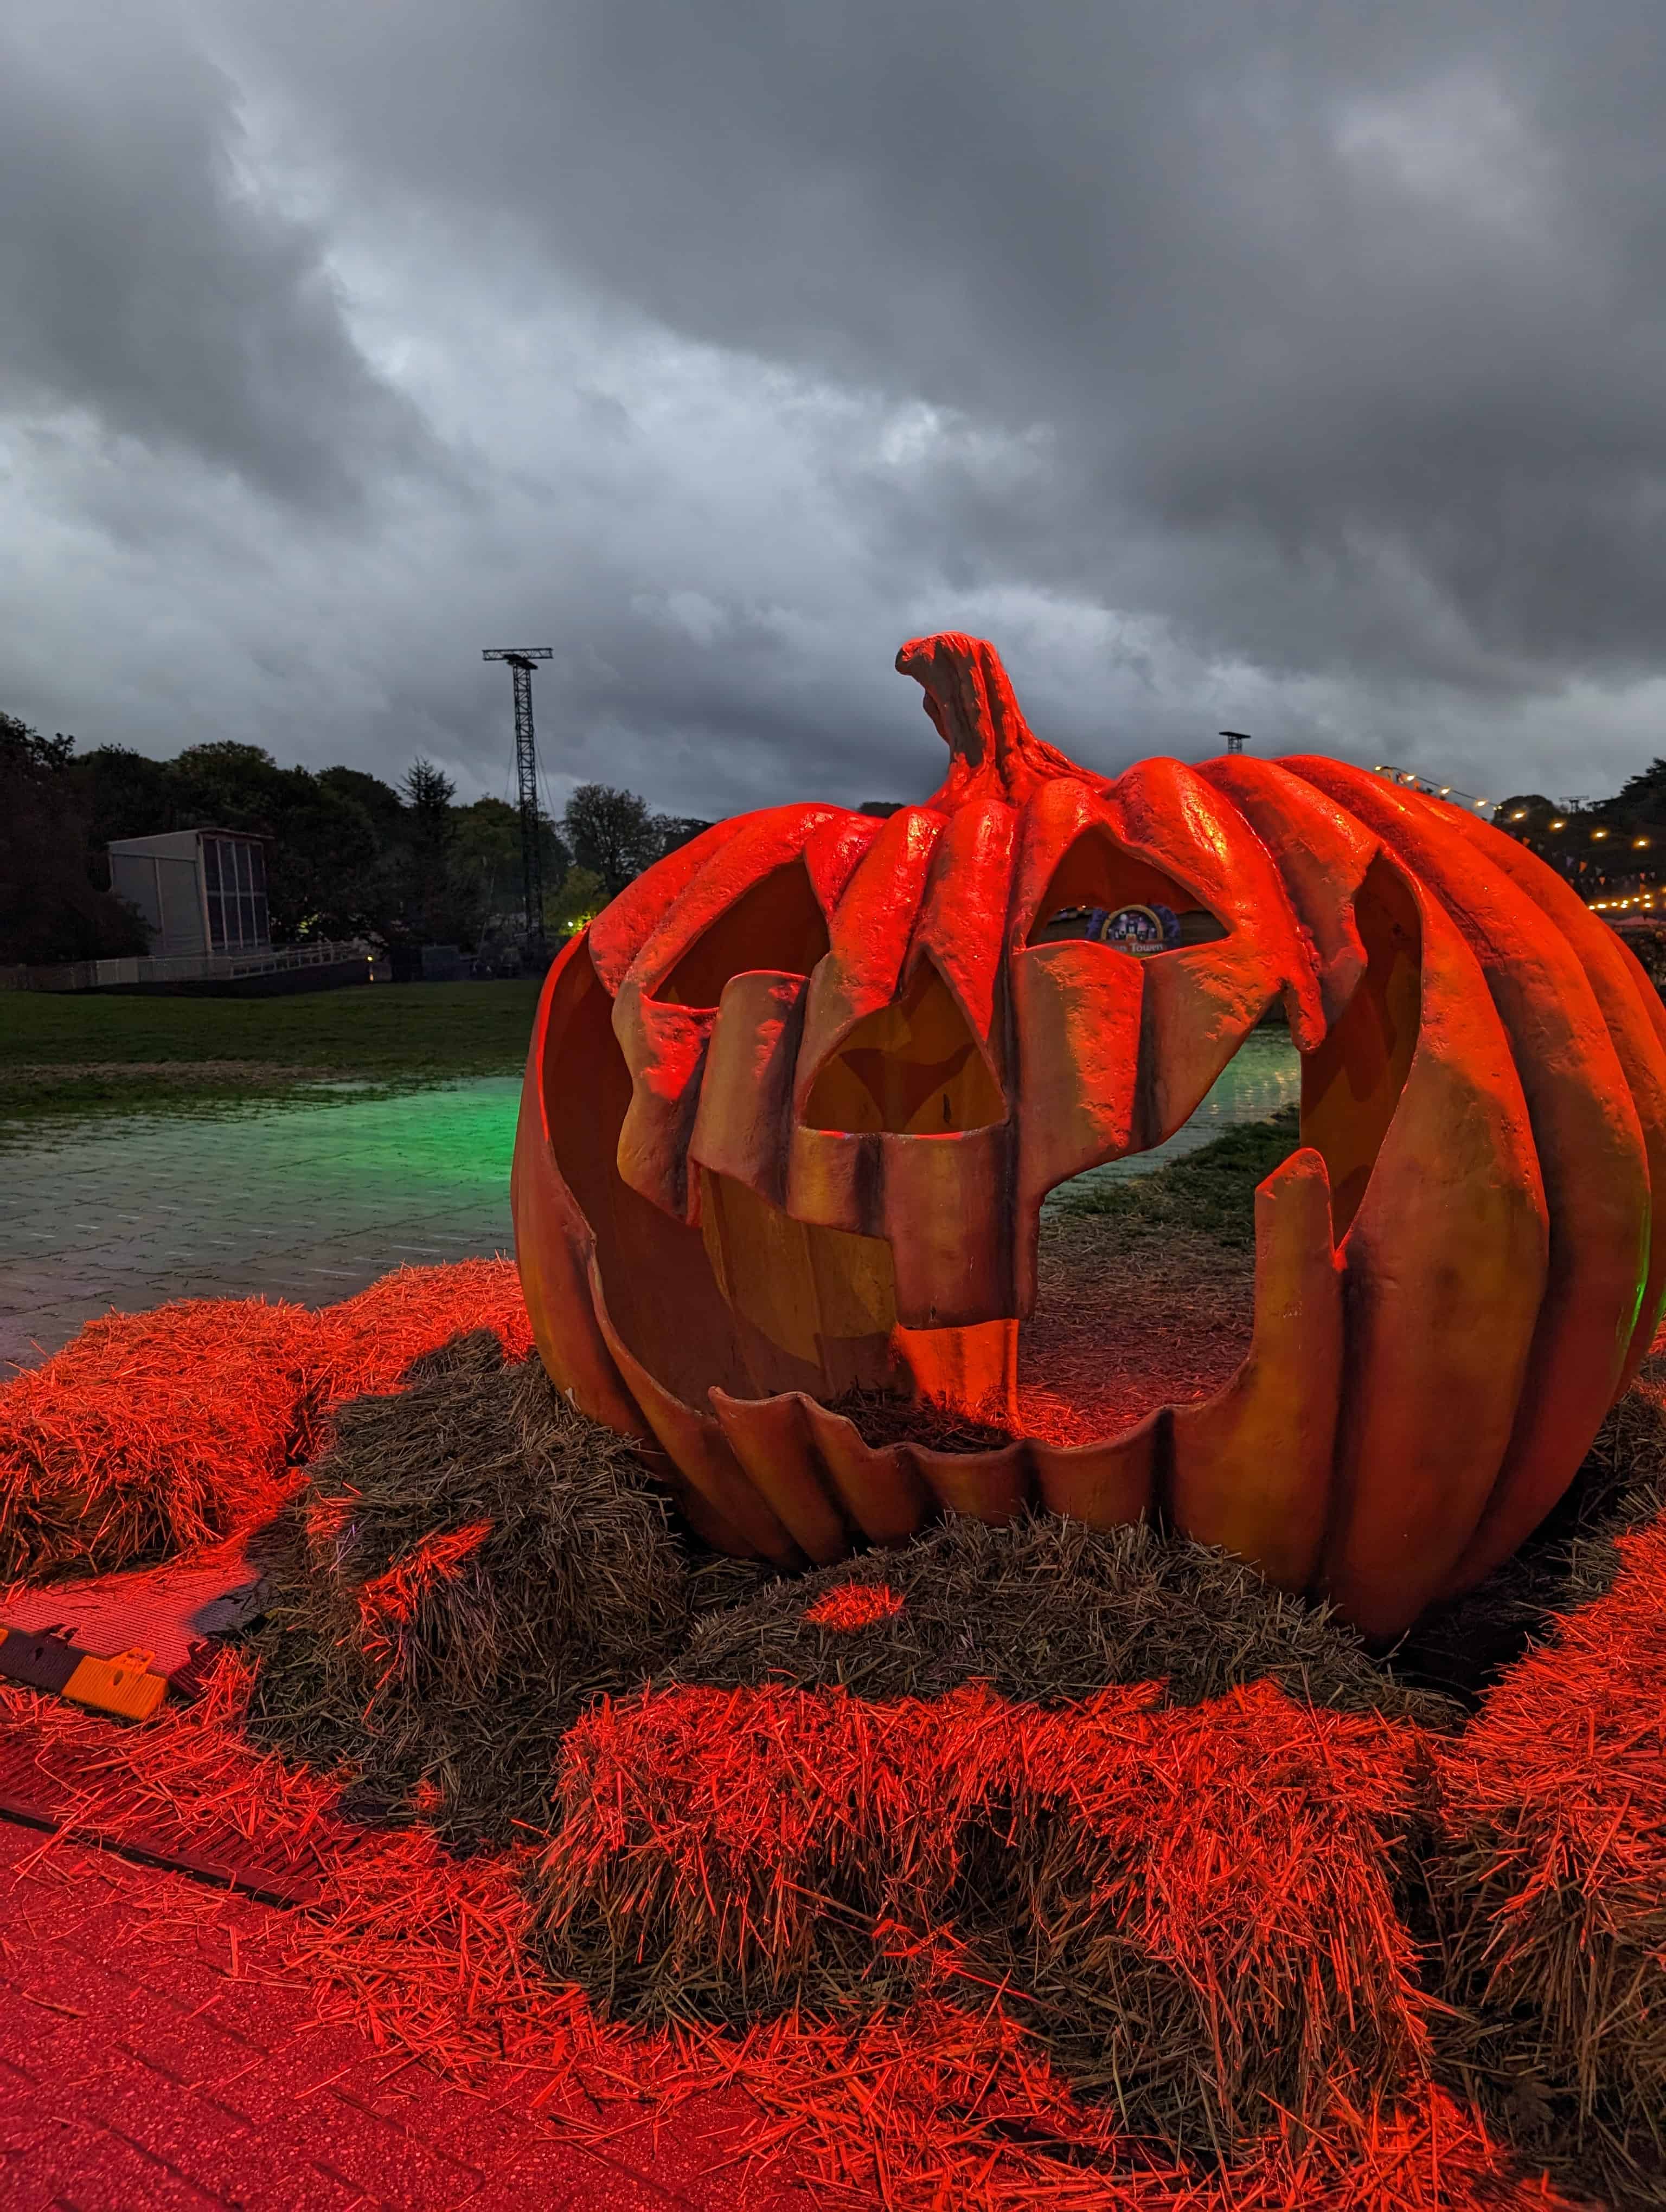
(520, 659)
(1235, 739)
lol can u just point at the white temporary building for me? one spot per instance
(200, 891)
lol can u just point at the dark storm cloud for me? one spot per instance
(143, 281)
(1290, 368)
(1347, 323)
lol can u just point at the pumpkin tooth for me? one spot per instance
(1195, 1012)
(988, 1485)
(939, 1203)
(878, 1484)
(664, 1048)
(1104, 1485)
(948, 1220)
(1250, 1467)
(1078, 1024)
(771, 1438)
(1077, 1018)
(742, 1122)
(975, 1367)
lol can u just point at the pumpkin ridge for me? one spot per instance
(1631, 1007)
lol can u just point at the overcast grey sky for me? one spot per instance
(1295, 368)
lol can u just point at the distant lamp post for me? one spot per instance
(1235, 739)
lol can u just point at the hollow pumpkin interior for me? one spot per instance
(753, 1303)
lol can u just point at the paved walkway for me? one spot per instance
(313, 1203)
(310, 1203)
(150, 2063)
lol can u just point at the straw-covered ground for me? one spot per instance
(1014, 1865)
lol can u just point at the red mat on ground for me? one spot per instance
(170, 1611)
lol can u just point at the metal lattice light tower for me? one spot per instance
(1235, 739)
(520, 659)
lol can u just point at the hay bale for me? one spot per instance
(1193, 1910)
(1201, 1913)
(368, 1342)
(468, 1565)
(151, 1433)
(1549, 1889)
(1047, 1612)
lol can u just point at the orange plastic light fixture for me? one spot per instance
(795, 1097)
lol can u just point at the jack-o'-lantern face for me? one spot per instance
(795, 1098)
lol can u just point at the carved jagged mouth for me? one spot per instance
(1125, 1323)
(748, 1338)
(1121, 1333)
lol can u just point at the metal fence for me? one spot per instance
(216, 968)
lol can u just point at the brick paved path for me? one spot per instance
(147, 2065)
(309, 1203)
(313, 1203)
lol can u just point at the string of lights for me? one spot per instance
(1640, 899)
(1412, 782)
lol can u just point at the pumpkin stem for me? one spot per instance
(995, 753)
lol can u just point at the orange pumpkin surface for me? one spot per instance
(794, 1099)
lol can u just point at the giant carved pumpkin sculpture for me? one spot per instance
(795, 1100)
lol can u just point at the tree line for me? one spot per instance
(346, 855)
(1606, 848)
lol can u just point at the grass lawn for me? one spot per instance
(78, 1053)
(1211, 1192)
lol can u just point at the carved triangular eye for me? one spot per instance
(912, 1069)
(777, 924)
(1101, 893)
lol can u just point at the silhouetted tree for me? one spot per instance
(674, 830)
(49, 908)
(489, 865)
(428, 793)
(1643, 795)
(577, 902)
(129, 795)
(382, 803)
(611, 833)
